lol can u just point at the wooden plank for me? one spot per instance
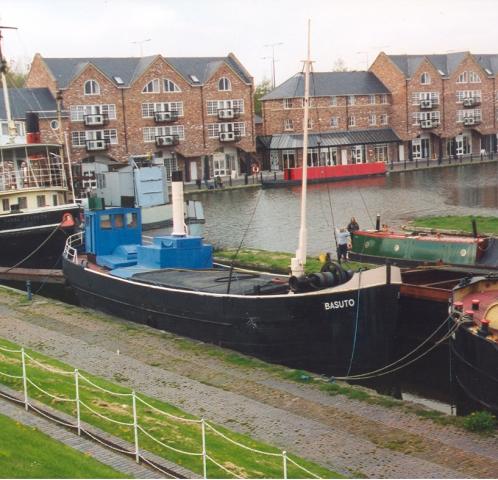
(42, 275)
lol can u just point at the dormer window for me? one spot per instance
(170, 86)
(91, 87)
(152, 86)
(224, 84)
(425, 79)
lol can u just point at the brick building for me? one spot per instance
(406, 107)
(195, 114)
(442, 104)
(349, 120)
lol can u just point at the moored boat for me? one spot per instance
(335, 322)
(474, 345)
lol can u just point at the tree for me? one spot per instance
(340, 66)
(15, 76)
(260, 91)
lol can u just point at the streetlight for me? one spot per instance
(140, 43)
(272, 46)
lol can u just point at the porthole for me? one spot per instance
(463, 252)
(396, 248)
(54, 124)
(367, 244)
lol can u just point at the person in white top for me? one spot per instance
(343, 240)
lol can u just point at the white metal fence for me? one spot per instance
(203, 452)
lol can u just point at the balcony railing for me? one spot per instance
(229, 136)
(167, 140)
(228, 113)
(470, 102)
(165, 117)
(95, 119)
(97, 145)
(471, 120)
(428, 104)
(428, 124)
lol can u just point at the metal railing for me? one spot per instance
(70, 252)
(459, 159)
(37, 174)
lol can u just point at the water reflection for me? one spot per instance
(398, 197)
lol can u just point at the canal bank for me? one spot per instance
(377, 437)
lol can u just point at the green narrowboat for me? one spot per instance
(413, 249)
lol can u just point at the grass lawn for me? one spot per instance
(173, 434)
(461, 223)
(26, 452)
(277, 262)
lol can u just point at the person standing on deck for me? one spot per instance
(353, 226)
(343, 239)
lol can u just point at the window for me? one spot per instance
(171, 165)
(40, 201)
(469, 113)
(214, 105)
(474, 77)
(425, 79)
(91, 88)
(418, 97)
(78, 112)
(55, 201)
(381, 153)
(384, 99)
(152, 86)
(334, 122)
(351, 100)
(372, 119)
(462, 94)
(131, 220)
(150, 133)
(214, 129)
(118, 220)
(333, 101)
(22, 202)
(224, 84)
(351, 121)
(289, 158)
(384, 119)
(310, 123)
(418, 117)
(105, 222)
(288, 124)
(462, 78)
(79, 138)
(148, 109)
(170, 86)
(372, 99)
(287, 103)
(19, 128)
(5, 204)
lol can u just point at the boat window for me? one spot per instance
(131, 220)
(22, 202)
(54, 200)
(118, 220)
(5, 204)
(40, 201)
(105, 222)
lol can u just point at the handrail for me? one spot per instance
(70, 252)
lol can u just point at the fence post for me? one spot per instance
(77, 388)
(204, 454)
(135, 426)
(24, 379)
(284, 458)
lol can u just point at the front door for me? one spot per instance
(425, 146)
(193, 171)
(416, 149)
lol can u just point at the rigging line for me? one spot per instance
(367, 376)
(356, 325)
(409, 353)
(242, 241)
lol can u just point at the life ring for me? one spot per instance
(255, 168)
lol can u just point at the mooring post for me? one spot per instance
(24, 379)
(135, 426)
(77, 388)
(28, 290)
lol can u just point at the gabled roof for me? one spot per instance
(324, 84)
(445, 63)
(24, 100)
(128, 69)
(489, 62)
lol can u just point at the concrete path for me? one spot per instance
(348, 436)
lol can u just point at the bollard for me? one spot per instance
(28, 290)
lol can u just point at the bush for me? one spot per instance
(480, 422)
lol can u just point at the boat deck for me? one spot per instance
(215, 281)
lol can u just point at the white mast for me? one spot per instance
(298, 262)
(3, 68)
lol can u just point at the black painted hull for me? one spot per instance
(21, 234)
(294, 330)
(475, 372)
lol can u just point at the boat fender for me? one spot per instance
(67, 220)
(322, 280)
(299, 284)
(255, 168)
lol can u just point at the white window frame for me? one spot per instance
(224, 84)
(462, 94)
(372, 119)
(288, 125)
(474, 77)
(150, 133)
(425, 78)
(462, 77)
(287, 103)
(155, 87)
(351, 100)
(351, 121)
(78, 112)
(434, 115)
(91, 87)
(214, 129)
(213, 106)
(169, 86)
(334, 122)
(417, 97)
(372, 99)
(384, 119)
(469, 112)
(148, 109)
(333, 101)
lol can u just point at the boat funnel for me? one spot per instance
(178, 205)
(32, 128)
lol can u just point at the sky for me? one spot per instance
(352, 30)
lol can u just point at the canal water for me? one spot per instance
(269, 220)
